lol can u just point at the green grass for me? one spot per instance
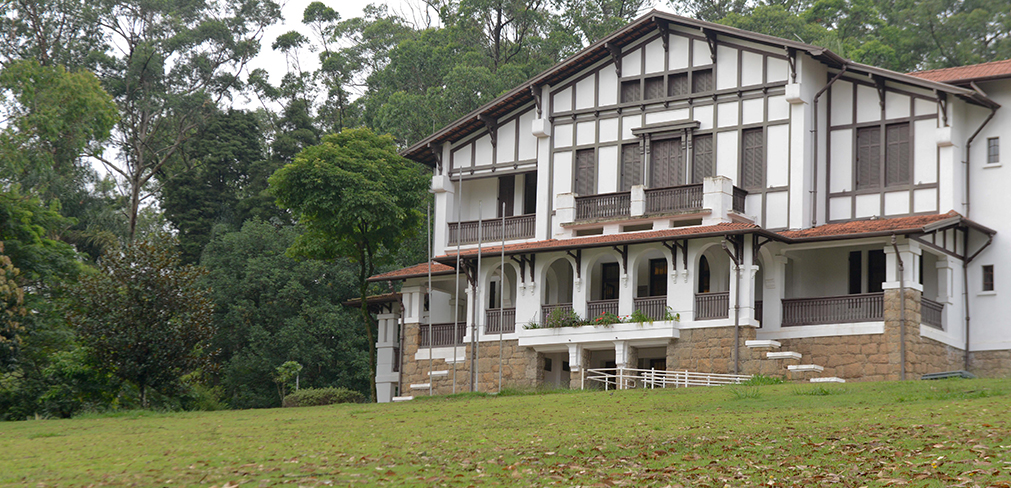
(918, 433)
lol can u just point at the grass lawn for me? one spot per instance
(918, 433)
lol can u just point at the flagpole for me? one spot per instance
(428, 298)
(456, 289)
(475, 354)
(501, 305)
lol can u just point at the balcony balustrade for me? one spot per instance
(596, 308)
(867, 307)
(654, 307)
(709, 306)
(931, 313)
(674, 199)
(547, 309)
(604, 206)
(500, 321)
(442, 334)
(516, 227)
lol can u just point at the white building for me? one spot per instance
(737, 188)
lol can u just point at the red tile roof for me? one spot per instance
(414, 272)
(975, 72)
(861, 228)
(610, 239)
(374, 300)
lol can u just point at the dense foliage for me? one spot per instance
(159, 97)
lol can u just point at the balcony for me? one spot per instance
(547, 309)
(674, 199)
(931, 313)
(596, 308)
(709, 306)
(500, 321)
(442, 334)
(867, 307)
(604, 206)
(516, 227)
(654, 307)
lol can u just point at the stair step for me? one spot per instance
(783, 355)
(439, 373)
(403, 398)
(763, 344)
(805, 367)
(421, 386)
(828, 379)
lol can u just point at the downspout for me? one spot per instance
(400, 357)
(965, 262)
(902, 311)
(814, 132)
(737, 307)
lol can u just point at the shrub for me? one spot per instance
(311, 397)
(638, 316)
(605, 319)
(562, 318)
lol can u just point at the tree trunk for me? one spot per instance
(367, 317)
(134, 207)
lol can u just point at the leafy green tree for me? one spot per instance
(53, 32)
(145, 317)
(357, 199)
(595, 19)
(271, 308)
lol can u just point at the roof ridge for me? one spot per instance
(964, 66)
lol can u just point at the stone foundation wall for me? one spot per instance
(990, 364)
(710, 350)
(521, 367)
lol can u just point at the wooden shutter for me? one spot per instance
(897, 167)
(667, 166)
(506, 195)
(586, 171)
(530, 193)
(654, 88)
(631, 166)
(753, 160)
(702, 158)
(702, 81)
(868, 158)
(677, 85)
(630, 91)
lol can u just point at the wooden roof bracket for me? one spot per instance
(879, 83)
(673, 248)
(490, 123)
(942, 105)
(791, 57)
(664, 34)
(711, 41)
(437, 152)
(536, 93)
(624, 257)
(470, 271)
(578, 256)
(615, 56)
(522, 261)
(756, 246)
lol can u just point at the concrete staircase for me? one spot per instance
(791, 360)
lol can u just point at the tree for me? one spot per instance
(357, 199)
(53, 32)
(145, 317)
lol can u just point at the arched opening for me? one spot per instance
(712, 292)
(604, 286)
(557, 289)
(704, 275)
(651, 275)
(759, 287)
(500, 311)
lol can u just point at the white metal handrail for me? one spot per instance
(627, 378)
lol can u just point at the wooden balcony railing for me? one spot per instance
(596, 308)
(867, 307)
(516, 227)
(931, 312)
(499, 320)
(710, 306)
(547, 309)
(740, 195)
(442, 334)
(674, 199)
(604, 206)
(654, 307)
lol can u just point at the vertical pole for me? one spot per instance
(501, 305)
(474, 354)
(428, 294)
(456, 286)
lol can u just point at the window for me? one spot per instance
(547, 364)
(586, 171)
(988, 277)
(677, 85)
(993, 150)
(753, 160)
(631, 166)
(897, 168)
(856, 272)
(702, 81)
(609, 275)
(702, 158)
(666, 164)
(630, 91)
(868, 158)
(657, 277)
(506, 195)
(493, 295)
(875, 270)
(530, 193)
(703, 275)
(654, 88)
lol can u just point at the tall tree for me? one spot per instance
(145, 317)
(53, 32)
(173, 62)
(357, 199)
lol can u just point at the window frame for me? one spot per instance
(992, 150)
(988, 278)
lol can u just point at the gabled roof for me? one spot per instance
(523, 94)
(416, 271)
(856, 229)
(966, 74)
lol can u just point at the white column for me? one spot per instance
(412, 297)
(565, 205)
(718, 198)
(541, 128)
(575, 357)
(579, 292)
(638, 206)
(772, 296)
(621, 353)
(910, 253)
(748, 271)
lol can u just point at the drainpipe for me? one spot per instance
(737, 307)
(814, 132)
(902, 311)
(965, 262)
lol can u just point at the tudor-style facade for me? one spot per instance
(745, 192)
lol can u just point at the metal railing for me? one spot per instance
(674, 199)
(740, 195)
(931, 313)
(654, 307)
(442, 334)
(516, 227)
(596, 308)
(867, 307)
(604, 206)
(628, 378)
(710, 306)
(492, 316)
(547, 309)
